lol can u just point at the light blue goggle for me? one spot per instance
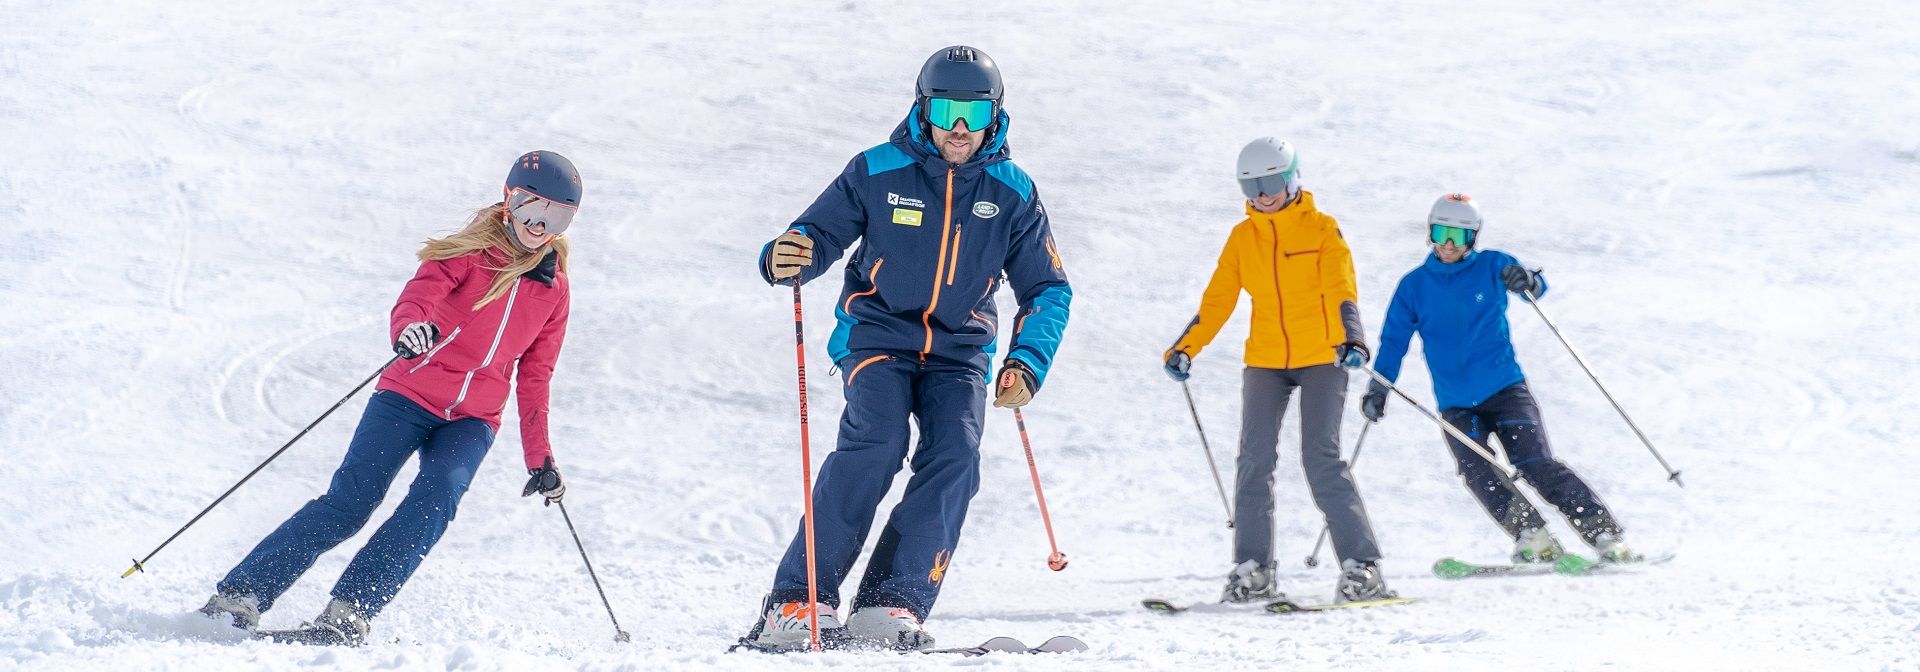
(946, 112)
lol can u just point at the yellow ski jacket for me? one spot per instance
(1299, 271)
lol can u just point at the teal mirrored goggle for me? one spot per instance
(1442, 234)
(946, 112)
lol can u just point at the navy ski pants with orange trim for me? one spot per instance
(910, 560)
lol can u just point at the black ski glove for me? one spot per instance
(546, 481)
(1520, 279)
(1373, 404)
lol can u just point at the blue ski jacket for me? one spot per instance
(1460, 312)
(936, 241)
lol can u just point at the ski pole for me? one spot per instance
(1313, 559)
(1209, 451)
(1056, 561)
(619, 635)
(141, 564)
(1499, 469)
(1672, 474)
(806, 469)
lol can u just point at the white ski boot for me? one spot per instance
(1536, 545)
(342, 623)
(788, 625)
(892, 628)
(1360, 582)
(1614, 549)
(242, 610)
(1250, 582)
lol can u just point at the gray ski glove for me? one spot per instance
(1373, 404)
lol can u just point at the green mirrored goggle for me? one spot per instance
(946, 112)
(1442, 234)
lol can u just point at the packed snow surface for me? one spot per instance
(209, 208)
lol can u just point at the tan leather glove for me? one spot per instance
(792, 252)
(1016, 385)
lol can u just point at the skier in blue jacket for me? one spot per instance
(1457, 302)
(943, 218)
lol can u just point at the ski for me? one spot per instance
(1060, 644)
(1571, 564)
(1292, 607)
(1281, 606)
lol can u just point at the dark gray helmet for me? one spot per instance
(959, 72)
(547, 174)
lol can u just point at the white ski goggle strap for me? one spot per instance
(528, 209)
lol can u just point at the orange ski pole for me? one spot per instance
(806, 468)
(1056, 561)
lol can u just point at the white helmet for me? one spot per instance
(1269, 166)
(1457, 211)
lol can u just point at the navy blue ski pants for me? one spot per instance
(392, 430)
(911, 558)
(1514, 416)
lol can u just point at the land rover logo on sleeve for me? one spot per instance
(985, 210)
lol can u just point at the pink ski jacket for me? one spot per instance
(466, 374)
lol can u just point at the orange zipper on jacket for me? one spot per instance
(872, 286)
(939, 269)
(1281, 297)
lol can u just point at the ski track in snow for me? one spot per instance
(215, 204)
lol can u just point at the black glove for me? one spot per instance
(1373, 404)
(546, 481)
(416, 339)
(1178, 364)
(1520, 280)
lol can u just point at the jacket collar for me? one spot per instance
(1433, 264)
(546, 270)
(911, 137)
(1300, 206)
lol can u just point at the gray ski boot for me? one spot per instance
(242, 610)
(1535, 545)
(1361, 581)
(1250, 582)
(341, 624)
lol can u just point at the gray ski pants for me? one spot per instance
(1264, 394)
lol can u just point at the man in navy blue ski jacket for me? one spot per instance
(942, 218)
(1456, 301)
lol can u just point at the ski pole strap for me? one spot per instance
(1672, 474)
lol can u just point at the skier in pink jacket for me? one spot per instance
(488, 305)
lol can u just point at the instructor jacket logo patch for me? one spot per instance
(896, 199)
(907, 217)
(985, 210)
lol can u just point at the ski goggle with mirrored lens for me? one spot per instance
(1278, 184)
(945, 112)
(529, 210)
(1442, 234)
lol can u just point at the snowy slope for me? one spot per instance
(210, 207)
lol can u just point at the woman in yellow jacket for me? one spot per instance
(1306, 334)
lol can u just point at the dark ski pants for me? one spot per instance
(1514, 417)
(911, 558)
(1323, 392)
(392, 430)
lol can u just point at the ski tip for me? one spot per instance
(1161, 606)
(1451, 568)
(1060, 644)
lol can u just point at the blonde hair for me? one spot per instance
(486, 234)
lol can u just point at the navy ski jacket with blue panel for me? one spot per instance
(1460, 312)
(935, 239)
